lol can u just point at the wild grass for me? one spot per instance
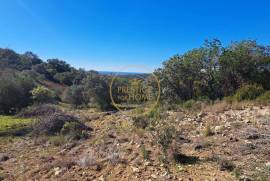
(11, 126)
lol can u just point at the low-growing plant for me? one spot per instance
(42, 94)
(249, 92)
(145, 153)
(226, 165)
(38, 110)
(57, 140)
(74, 130)
(87, 160)
(188, 104)
(208, 131)
(140, 122)
(264, 97)
(165, 137)
(55, 124)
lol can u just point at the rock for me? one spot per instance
(147, 163)
(57, 171)
(3, 157)
(267, 164)
(218, 129)
(135, 169)
(244, 178)
(154, 176)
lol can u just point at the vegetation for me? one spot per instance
(56, 123)
(213, 71)
(249, 92)
(10, 126)
(210, 72)
(42, 95)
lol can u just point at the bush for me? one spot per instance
(249, 92)
(140, 122)
(208, 131)
(57, 140)
(38, 110)
(42, 95)
(58, 123)
(74, 95)
(264, 97)
(188, 104)
(226, 165)
(74, 130)
(165, 137)
(14, 92)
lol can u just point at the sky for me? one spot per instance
(110, 34)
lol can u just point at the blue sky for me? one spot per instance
(108, 34)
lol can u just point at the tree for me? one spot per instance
(14, 92)
(74, 95)
(41, 94)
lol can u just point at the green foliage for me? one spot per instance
(14, 92)
(74, 95)
(208, 131)
(249, 92)
(42, 94)
(14, 126)
(165, 137)
(188, 104)
(264, 97)
(57, 140)
(213, 71)
(74, 130)
(145, 153)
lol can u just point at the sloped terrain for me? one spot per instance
(231, 144)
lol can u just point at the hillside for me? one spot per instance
(236, 149)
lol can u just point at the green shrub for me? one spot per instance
(145, 153)
(14, 92)
(74, 95)
(165, 137)
(249, 92)
(208, 131)
(264, 97)
(74, 130)
(42, 95)
(57, 140)
(188, 104)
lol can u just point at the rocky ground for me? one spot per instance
(227, 144)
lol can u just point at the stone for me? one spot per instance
(57, 171)
(218, 129)
(135, 169)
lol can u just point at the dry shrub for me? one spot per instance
(56, 123)
(218, 107)
(226, 165)
(208, 131)
(38, 110)
(140, 122)
(114, 156)
(87, 160)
